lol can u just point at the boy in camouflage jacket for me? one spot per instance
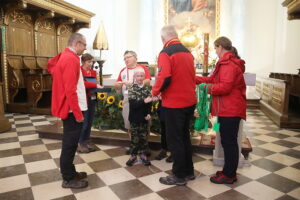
(140, 100)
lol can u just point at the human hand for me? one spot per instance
(148, 100)
(126, 83)
(148, 117)
(196, 114)
(155, 98)
(99, 86)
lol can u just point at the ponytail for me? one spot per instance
(234, 50)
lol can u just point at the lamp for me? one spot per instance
(100, 43)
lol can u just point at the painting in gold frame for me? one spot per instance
(197, 15)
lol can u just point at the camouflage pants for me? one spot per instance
(139, 142)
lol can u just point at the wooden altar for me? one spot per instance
(280, 98)
(32, 31)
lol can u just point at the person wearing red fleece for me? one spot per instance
(176, 84)
(68, 103)
(85, 145)
(228, 90)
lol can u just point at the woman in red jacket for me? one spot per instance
(228, 90)
(85, 145)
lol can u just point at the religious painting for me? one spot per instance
(198, 25)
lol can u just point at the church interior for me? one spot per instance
(266, 35)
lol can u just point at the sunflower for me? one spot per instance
(120, 104)
(156, 105)
(110, 100)
(101, 95)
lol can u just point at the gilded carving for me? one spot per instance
(65, 29)
(17, 16)
(46, 24)
(36, 86)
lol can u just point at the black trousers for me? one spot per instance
(178, 139)
(71, 134)
(163, 137)
(229, 128)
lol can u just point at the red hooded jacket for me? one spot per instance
(228, 87)
(65, 69)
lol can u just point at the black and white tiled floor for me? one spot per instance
(29, 168)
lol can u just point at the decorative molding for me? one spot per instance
(11, 7)
(43, 23)
(293, 7)
(64, 27)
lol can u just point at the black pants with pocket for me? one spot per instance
(178, 139)
(71, 134)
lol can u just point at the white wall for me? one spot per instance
(262, 34)
(129, 25)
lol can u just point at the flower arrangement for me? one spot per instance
(108, 114)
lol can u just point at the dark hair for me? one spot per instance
(86, 57)
(227, 45)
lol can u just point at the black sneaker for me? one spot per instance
(145, 160)
(172, 180)
(80, 175)
(74, 183)
(131, 161)
(162, 154)
(169, 159)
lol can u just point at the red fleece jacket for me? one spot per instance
(65, 69)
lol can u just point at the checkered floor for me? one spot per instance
(29, 168)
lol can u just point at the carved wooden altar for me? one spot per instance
(32, 31)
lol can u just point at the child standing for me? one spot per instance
(139, 97)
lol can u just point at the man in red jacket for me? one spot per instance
(176, 84)
(68, 103)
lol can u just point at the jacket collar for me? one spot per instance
(171, 41)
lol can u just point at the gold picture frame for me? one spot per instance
(205, 13)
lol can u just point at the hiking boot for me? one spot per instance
(222, 179)
(219, 173)
(172, 180)
(162, 154)
(169, 159)
(80, 175)
(190, 177)
(131, 161)
(74, 183)
(83, 148)
(91, 146)
(145, 160)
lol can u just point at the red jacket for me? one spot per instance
(176, 78)
(228, 87)
(88, 85)
(65, 69)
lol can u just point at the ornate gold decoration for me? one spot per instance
(17, 16)
(65, 29)
(14, 83)
(189, 39)
(36, 86)
(43, 23)
(11, 7)
(293, 7)
(46, 24)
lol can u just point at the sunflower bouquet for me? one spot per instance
(108, 114)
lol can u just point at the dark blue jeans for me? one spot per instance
(88, 121)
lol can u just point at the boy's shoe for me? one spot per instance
(169, 159)
(162, 154)
(131, 161)
(172, 180)
(74, 183)
(80, 175)
(145, 160)
(220, 178)
(83, 148)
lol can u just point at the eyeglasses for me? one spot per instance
(84, 44)
(127, 57)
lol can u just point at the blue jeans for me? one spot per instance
(88, 121)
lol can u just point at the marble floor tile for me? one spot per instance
(14, 183)
(115, 176)
(50, 191)
(97, 193)
(290, 172)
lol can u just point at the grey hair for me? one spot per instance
(168, 32)
(130, 52)
(75, 37)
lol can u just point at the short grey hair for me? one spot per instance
(168, 31)
(130, 52)
(75, 37)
